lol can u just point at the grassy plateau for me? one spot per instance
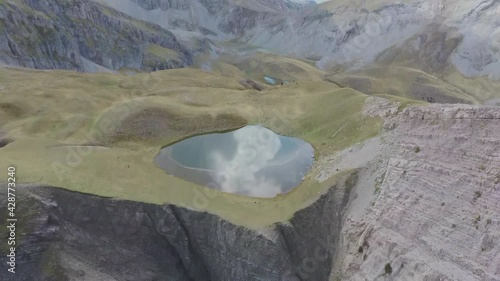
(99, 133)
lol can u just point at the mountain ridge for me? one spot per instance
(462, 35)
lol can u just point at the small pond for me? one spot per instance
(252, 161)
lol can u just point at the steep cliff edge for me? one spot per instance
(425, 208)
(434, 215)
(72, 236)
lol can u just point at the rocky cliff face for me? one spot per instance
(71, 236)
(425, 208)
(434, 215)
(83, 35)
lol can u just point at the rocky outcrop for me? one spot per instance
(82, 35)
(434, 214)
(72, 236)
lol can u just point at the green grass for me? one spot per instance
(162, 52)
(336, 120)
(264, 64)
(59, 108)
(405, 83)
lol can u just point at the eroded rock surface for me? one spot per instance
(435, 213)
(72, 236)
(84, 36)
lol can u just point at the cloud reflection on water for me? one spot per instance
(252, 161)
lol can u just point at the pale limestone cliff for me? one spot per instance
(433, 207)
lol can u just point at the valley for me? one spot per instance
(397, 103)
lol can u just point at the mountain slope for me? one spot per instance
(462, 33)
(83, 35)
(434, 36)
